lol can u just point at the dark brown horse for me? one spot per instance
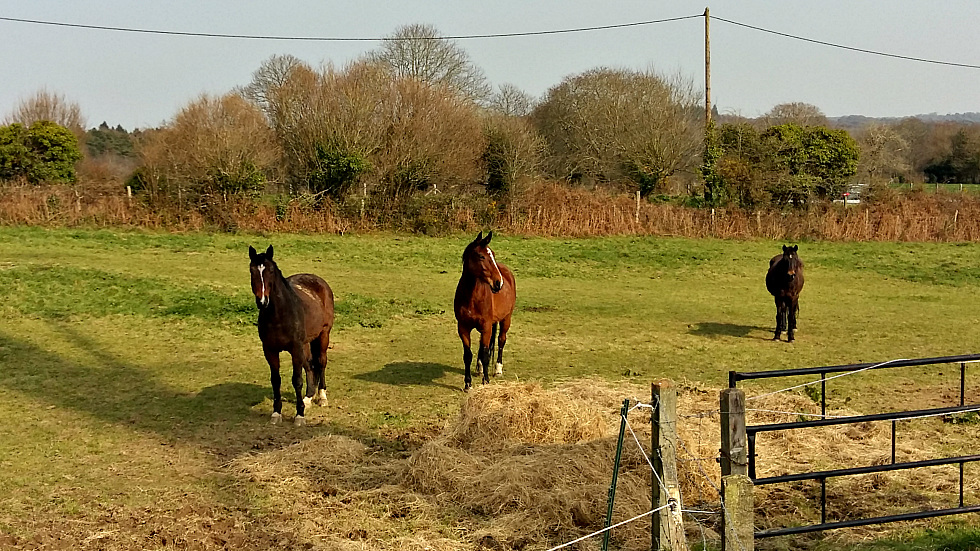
(484, 300)
(295, 316)
(784, 280)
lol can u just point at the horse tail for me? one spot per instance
(493, 343)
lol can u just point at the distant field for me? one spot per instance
(131, 373)
(950, 188)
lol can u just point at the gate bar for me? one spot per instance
(860, 418)
(735, 376)
(866, 521)
(816, 475)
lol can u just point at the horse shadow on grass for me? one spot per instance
(412, 373)
(714, 329)
(95, 381)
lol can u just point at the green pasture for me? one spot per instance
(131, 371)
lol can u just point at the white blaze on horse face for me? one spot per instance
(500, 276)
(263, 293)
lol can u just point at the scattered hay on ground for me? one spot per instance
(528, 465)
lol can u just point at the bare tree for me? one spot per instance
(511, 100)
(402, 134)
(803, 114)
(213, 146)
(884, 152)
(49, 106)
(513, 154)
(418, 51)
(621, 125)
(267, 79)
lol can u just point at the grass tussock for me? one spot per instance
(527, 466)
(537, 209)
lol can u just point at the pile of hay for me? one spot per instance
(538, 463)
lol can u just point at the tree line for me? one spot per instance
(416, 118)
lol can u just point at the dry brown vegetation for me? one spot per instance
(524, 466)
(538, 209)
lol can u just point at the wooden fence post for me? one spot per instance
(667, 527)
(734, 445)
(738, 520)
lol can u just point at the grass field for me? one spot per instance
(131, 374)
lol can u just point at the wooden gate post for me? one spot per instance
(738, 521)
(734, 447)
(667, 527)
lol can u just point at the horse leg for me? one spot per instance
(318, 348)
(501, 341)
(483, 356)
(272, 356)
(301, 366)
(792, 310)
(464, 337)
(779, 319)
(310, 369)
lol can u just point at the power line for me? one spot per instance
(345, 39)
(488, 35)
(843, 47)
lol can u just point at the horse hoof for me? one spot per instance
(307, 401)
(321, 398)
(276, 418)
(499, 370)
(486, 380)
(466, 387)
(299, 421)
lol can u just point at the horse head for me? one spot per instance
(479, 262)
(264, 274)
(792, 260)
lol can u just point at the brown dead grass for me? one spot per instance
(526, 466)
(540, 209)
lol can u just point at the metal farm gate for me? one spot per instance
(738, 453)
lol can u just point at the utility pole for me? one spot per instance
(707, 73)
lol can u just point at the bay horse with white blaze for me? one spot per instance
(784, 280)
(295, 316)
(484, 301)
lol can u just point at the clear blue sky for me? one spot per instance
(141, 80)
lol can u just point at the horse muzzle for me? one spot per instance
(497, 286)
(262, 301)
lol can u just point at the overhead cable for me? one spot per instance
(345, 39)
(843, 47)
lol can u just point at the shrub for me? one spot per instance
(787, 164)
(396, 135)
(214, 147)
(610, 125)
(513, 152)
(335, 171)
(42, 152)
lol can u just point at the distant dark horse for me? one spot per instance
(785, 281)
(484, 300)
(295, 316)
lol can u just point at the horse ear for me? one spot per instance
(489, 237)
(251, 253)
(785, 249)
(796, 248)
(479, 237)
(268, 252)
